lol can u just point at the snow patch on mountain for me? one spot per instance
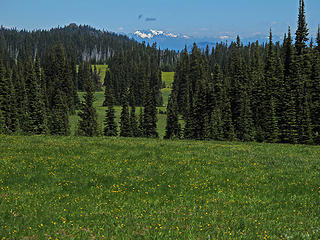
(143, 35)
(157, 33)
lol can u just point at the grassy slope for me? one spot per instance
(116, 188)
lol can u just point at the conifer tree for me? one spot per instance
(88, 122)
(315, 97)
(288, 122)
(125, 128)
(216, 125)
(228, 128)
(173, 127)
(150, 114)
(110, 128)
(11, 117)
(133, 121)
(2, 123)
(318, 39)
(141, 124)
(302, 30)
(37, 122)
(4, 94)
(21, 95)
(59, 116)
(272, 87)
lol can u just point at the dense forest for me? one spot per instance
(267, 92)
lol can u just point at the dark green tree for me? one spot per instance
(36, 120)
(150, 114)
(270, 120)
(133, 121)
(125, 127)
(59, 116)
(88, 122)
(288, 122)
(173, 127)
(111, 128)
(302, 30)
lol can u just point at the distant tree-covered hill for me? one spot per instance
(84, 43)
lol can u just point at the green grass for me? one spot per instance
(103, 69)
(117, 188)
(168, 78)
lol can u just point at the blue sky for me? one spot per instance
(196, 18)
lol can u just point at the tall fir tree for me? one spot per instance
(288, 122)
(150, 114)
(111, 128)
(125, 127)
(37, 122)
(269, 104)
(173, 127)
(302, 30)
(59, 116)
(88, 122)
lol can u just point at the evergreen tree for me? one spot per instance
(4, 94)
(269, 104)
(150, 114)
(315, 97)
(20, 93)
(302, 30)
(110, 128)
(88, 123)
(36, 120)
(11, 117)
(133, 122)
(59, 117)
(173, 128)
(2, 123)
(216, 125)
(318, 39)
(125, 127)
(288, 121)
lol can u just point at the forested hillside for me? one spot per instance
(83, 43)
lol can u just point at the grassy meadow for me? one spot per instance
(118, 188)
(135, 188)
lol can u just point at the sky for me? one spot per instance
(201, 18)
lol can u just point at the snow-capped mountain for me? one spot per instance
(162, 38)
(177, 41)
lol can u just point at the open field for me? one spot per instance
(117, 188)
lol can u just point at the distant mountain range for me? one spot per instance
(177, 41)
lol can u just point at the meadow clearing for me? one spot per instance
(126, 188)
(135, 188)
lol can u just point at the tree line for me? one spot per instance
(264, 93)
